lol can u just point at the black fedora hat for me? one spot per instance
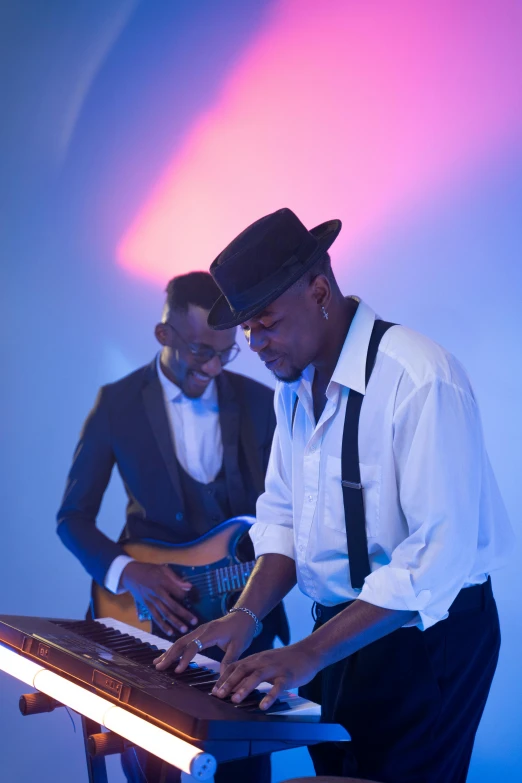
(263, 262)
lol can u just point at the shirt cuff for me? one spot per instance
(114, 572)
(272, 540)
(392, 588)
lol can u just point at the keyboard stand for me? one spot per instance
(96, 767)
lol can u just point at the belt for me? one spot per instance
(469, 598)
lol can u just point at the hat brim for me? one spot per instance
(222, 316)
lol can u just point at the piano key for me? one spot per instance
(130, 644)
(278, 706)
(193, 678)
(107, 633)
(250, 701)
(142, 657)
(191, 669)
(297, 705)
(205, 685)
(188, 678)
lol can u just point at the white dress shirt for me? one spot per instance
(435, 520)
(196, 434)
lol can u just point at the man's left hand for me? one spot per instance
(285, 667)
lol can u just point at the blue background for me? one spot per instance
(73, 319)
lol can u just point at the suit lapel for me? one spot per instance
(230, 423)
(154, 403)
(251, 448)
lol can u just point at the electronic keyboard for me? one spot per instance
(114, 660)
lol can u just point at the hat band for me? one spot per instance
(245, 299)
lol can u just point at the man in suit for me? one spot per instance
(191, 443)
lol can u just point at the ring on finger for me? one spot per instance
(198, 644)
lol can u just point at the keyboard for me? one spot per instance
(115, 660)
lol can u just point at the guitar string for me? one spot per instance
(200, 580)
(203, 578)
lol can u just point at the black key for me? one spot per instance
(252, 700)
(190, 676)
(277, 706)
(205, 685)
(99, 629)
(142, 657)
(123, 650)
(148, 655)
(136, 655)
(192, 667)
(201, 678)
(110, 637)
(106, 639)
(102, 634)
(124, 644)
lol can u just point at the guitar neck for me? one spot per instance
(231, 578)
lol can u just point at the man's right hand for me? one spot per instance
(159, 589)
(233, 633)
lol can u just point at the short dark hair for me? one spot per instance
(321, 267)
(194, 288)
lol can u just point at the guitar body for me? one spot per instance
(217, 564)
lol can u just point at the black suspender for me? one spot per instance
(351, 477)
(294, 411)
(358, 559)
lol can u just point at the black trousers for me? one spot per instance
(142, 767)
(412, 701)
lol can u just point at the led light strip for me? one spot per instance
(173, 750)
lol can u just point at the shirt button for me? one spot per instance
(179, 516)
(310, 498)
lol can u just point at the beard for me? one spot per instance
(291, 376)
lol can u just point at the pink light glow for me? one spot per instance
(338, 109)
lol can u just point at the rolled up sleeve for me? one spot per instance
(273, 532)
(438, 448)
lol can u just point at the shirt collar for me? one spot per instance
(173, 392)
(350, 370)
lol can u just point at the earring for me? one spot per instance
(325, 314)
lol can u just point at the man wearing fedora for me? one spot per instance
(380, 503)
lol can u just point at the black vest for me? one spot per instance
(206, 505)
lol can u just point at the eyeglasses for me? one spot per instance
(204, 353)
